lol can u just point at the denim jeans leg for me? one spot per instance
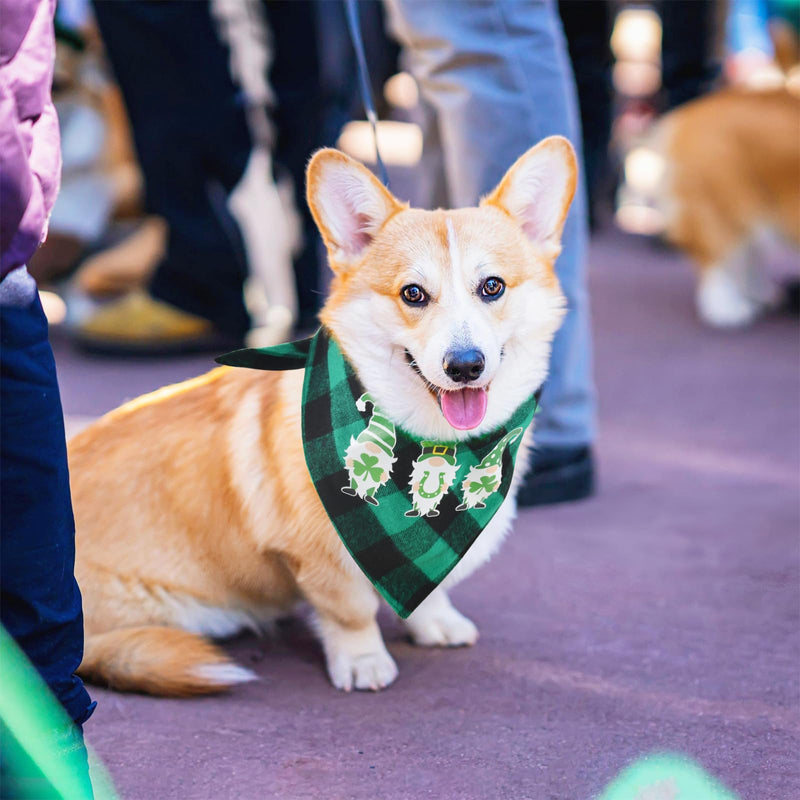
(498, 76)
(41, 603)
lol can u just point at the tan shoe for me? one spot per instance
(138, 324)
(127, 265)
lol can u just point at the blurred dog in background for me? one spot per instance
(724, 173)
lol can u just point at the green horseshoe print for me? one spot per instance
(436, 492)
(432, 474)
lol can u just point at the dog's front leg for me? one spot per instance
(345, 608)
(436, 622)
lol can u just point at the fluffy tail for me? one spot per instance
(162, 661)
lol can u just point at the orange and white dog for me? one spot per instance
(195, 512)
(725, 179)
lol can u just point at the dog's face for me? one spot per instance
(447, 316)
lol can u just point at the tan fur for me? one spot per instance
(735, 161)
(154, 659)
(173, 499)
(195, 512)
(732, 175)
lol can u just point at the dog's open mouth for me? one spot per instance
(464, 409)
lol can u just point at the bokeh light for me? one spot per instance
(400, 143)
(55, 309)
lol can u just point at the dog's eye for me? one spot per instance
(492, 288)
(414, 295)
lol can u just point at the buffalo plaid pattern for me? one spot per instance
(404, 557)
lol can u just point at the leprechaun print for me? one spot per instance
(485, 478)
(369, 456)
(432, 474)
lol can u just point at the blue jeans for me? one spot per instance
(497, 78)
(40, 604)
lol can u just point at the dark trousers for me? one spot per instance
(689, 68)
(193, 143)
(587, 26)
(40, 604)
(299, 118)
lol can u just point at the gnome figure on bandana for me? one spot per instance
(432, 474)
(369, 457)
(484, 478)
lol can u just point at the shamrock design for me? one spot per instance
(486, 483)
(366, 466)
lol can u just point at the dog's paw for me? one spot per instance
(722, 303)
(444, 627)
(366, 672)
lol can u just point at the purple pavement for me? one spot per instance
(660, 615)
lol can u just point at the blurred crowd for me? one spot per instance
(186, 127)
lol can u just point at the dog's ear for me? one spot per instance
(537, 191)
(349, 204)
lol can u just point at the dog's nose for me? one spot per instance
(463, 366)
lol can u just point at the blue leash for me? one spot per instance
(351, 8)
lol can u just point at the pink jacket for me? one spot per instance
(30, 152)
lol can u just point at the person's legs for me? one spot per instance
(193, 142)
(498, 76)
(295, 79)
(41, 602)
(587, 26)
(687, 49)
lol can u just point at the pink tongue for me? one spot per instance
(464, 409)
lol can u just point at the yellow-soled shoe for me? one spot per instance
(138, 324)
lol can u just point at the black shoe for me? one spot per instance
(791, 297)
(557, 475)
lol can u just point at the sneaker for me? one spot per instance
(138, 324)
(126, 265)
(557, 475)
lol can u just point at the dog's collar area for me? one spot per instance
(371, 501)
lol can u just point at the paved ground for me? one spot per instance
(663, 614)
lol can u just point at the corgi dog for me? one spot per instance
(195, 512)
(725, 178)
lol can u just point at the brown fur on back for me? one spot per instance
(139, 458)
(735, 164)
(173, 512)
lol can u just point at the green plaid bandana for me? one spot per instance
(406, 509)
